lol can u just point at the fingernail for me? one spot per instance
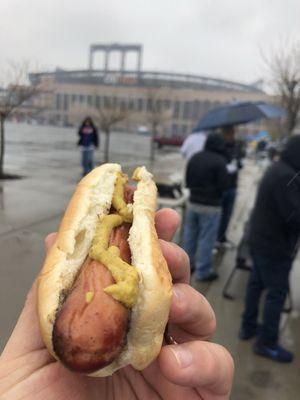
(183, 356)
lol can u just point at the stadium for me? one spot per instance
(175, 101)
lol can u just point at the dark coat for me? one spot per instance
(93, 138)
(234, 151)
(275, 223)
(206, 174)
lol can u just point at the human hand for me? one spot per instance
(193, 369)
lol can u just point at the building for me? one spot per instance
(176, 101)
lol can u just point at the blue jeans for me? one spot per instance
(87, 156)
(274, 277)
(200, 233)
(227, 208)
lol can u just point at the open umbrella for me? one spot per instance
(239, 113)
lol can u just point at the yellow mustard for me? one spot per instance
(89, 296)
(118, 201)
(126, 276)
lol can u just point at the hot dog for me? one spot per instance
(104, 291)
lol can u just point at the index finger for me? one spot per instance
(177, 260)
(167, 222)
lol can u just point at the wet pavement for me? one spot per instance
(32, 207)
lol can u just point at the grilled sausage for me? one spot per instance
(90, 329)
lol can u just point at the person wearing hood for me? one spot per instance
(206, 177)
(273, 240)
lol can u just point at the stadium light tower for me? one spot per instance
(107, 49)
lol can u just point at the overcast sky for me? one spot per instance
(218, 38)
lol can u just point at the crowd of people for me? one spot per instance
(273, 229)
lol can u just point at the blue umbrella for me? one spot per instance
(239, 113)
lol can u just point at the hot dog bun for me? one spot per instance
(92, 198)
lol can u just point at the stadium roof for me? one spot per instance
(145, 79)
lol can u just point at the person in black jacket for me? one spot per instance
(273, 240)
(88, 140)
(234, 156)
(206, 177)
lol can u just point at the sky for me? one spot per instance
(216, 38)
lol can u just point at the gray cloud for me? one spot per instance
(207, 37)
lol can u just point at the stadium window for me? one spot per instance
(158, 105)
(149, 105)
(130, 104)
(140, 104)
(201, 109)
(123, 104)
(167, 104)
(186, 110)
(106, 101)
(196, 109)
(89, 100)
(81, 98)
(73, 98)
(174, 129)
(58, 101)
(66, 102)
(98, 101)
(114, 101)
(206, 105)
(176, 109)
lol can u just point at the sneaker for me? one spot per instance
(209, 278)
(275, 353)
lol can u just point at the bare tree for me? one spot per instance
(157, 114)
(284, 69)
(14, 94)
(107, 117)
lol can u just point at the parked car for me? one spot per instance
(168, 141)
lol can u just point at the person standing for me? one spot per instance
(206, 177)
(88, 140)
(234, 154)
(273, 240)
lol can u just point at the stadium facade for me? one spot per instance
(178, 99)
